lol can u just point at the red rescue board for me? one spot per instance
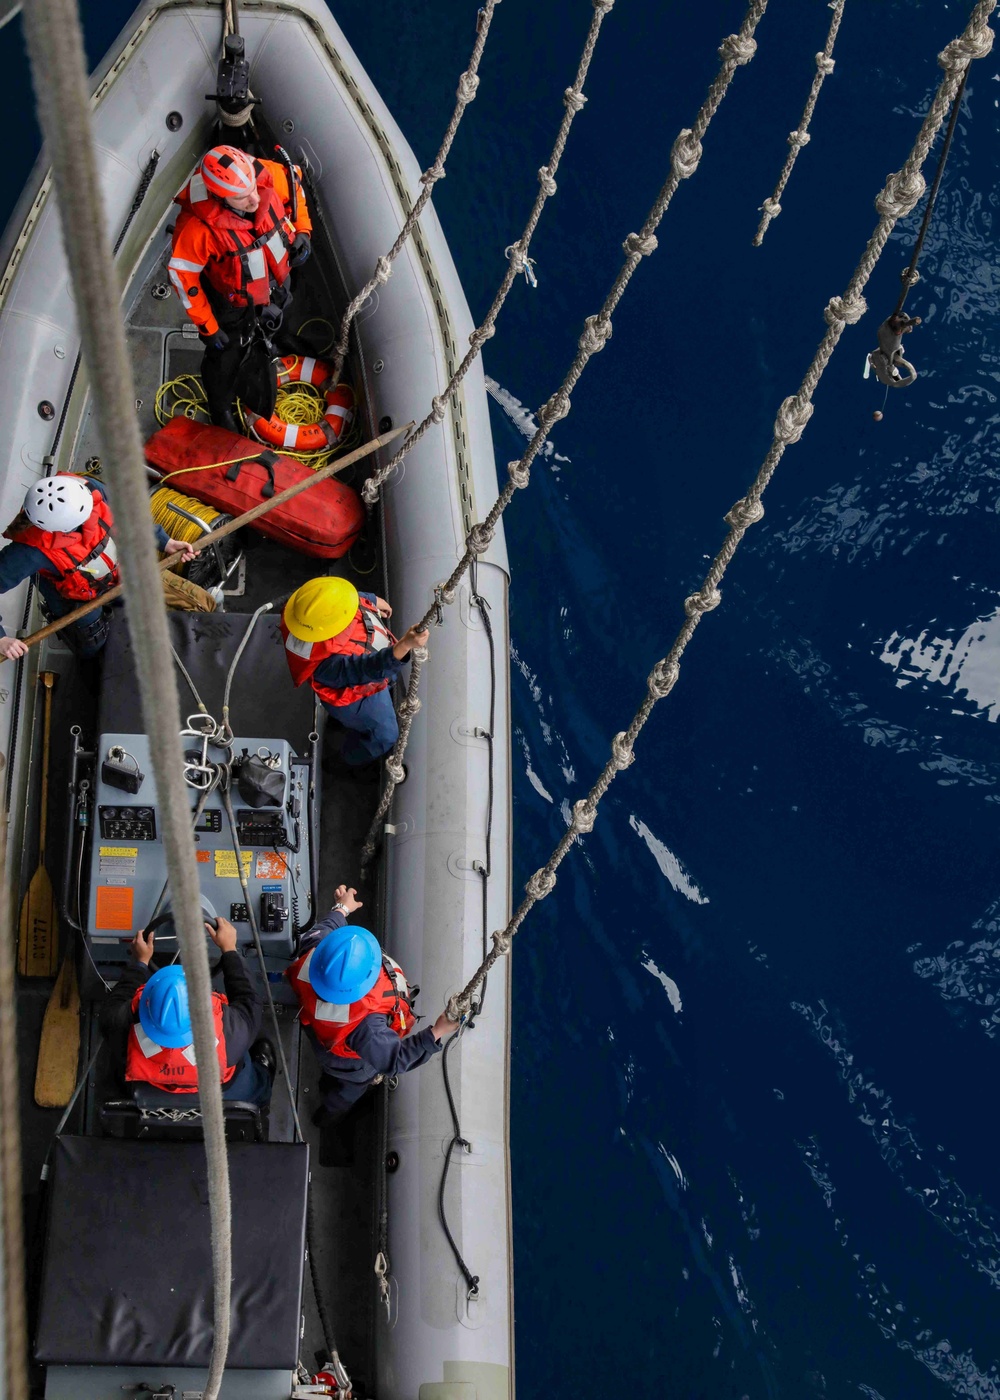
(323, 522)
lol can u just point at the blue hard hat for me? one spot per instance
(345, 965)
(163, 1008)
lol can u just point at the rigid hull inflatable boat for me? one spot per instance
(441, 880)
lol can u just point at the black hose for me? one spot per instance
(908, 277)
(293, 193)
(325, 1321)
(252, 917)
(457, 1141)
(383, 1176)
(487, 867)
(485, 870)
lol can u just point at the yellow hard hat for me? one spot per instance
(321, 609)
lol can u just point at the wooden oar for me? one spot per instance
(245, 519)
(59, 1048)
(38, 933)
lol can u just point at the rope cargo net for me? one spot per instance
(736, 50)
(899, 196)
(58, 67)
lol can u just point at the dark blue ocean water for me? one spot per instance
(754, 1142)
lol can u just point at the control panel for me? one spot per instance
(127, 866)
(263, 827)
(127, 823)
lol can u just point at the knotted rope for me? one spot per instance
(798, 138)
(735, 51)
(792, 418)
(468, 84)
(517, 253)
(55, 48)
(909, 276)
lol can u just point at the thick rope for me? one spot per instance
(468, 84)
(798, 138)
(736, 50)
(55, 47)
(902, 191)
(573, 102)
(909, 275)
(15, 1311)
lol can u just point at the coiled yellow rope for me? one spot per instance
(296, 403)
(166, 506)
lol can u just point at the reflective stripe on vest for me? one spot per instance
(252, 252)
(365, 634)
(171, 1068)
(332, 1023)
(82, 563)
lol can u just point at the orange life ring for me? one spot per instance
(338, 414)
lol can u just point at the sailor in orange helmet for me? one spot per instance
(234, 246)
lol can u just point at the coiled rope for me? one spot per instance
(798, 138)
(468, 84)
(517, 256)
(59, 75)
(735, 51)
(901, 192)
(173, 511)
(299, 403)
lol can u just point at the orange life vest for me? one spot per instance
(332, 1024)
(252, 253)
(172, 1069)
(366, 633)
(82, 563)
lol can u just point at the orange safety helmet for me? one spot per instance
(228, 173)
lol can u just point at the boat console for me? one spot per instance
(271, 789)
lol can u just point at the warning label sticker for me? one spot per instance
(203, 857)
(270, 865)
(114, 907)
(225, 864)
(118, 860)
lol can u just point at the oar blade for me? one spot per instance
(59, 1048)
(38, 932)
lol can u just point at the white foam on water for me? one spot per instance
(669, 985)
(968, 665)
(669, 865)
(532, 776)
(523, 419)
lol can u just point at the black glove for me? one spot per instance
(270, 319)
(281, 294)
(218, 341)
(299, 250)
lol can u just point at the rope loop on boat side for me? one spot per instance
(468, 85)
(791, 422)
(771, 207)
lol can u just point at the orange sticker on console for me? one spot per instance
(203, 857)
(114, 907)
(270, 865)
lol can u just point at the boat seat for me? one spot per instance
(130, 1118)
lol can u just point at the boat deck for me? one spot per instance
(343, 1164)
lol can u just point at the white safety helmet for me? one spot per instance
(59, 503)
